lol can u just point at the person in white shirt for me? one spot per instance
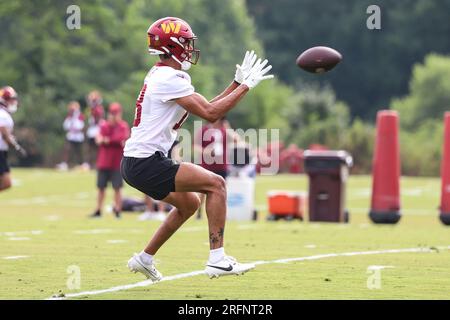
(8, 105)
(165, 101)
(73, 125)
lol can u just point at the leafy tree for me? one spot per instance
(359, 141)
(50, 65)
(377, 63)
(314, 116)
(421, 150)
(429, 94)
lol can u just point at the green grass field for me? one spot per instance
(45, 219)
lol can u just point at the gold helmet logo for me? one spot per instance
(171, 26)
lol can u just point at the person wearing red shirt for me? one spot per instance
(212, 139)
(111, 139)
(212, 142)
(291, 159)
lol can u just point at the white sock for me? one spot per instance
(216, 255)
(145, 257)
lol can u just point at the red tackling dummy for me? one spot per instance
(445, 173)
(385, 206)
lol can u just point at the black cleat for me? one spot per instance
(96, 214)
(117, 214)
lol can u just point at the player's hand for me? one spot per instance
(258, 74)
(22, 152)
(243, 70)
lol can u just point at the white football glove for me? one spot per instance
(243, 70)
(257, 74)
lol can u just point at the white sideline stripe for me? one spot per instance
(93, 231)
(16, 233)
(379, 267)
(15, 257)
(116, 241)
(199, 272)
(129, 286)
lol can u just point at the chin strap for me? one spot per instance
(185, 65)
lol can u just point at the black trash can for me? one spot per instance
(328, 173)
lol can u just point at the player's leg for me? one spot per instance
(102, 181)
(117, 183)
(5, 181)
(78, 146)
(193, 178)
(163, 179)
(5, 176)
(185, 204)
(202, 202)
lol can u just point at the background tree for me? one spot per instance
(377, 63)
(50, 65)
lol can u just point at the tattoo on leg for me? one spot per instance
(214, 239)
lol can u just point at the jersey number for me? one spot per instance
(137, 115)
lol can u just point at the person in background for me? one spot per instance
(291, 159)
(211, 141)
(96, 115)
(150, 213)
(8, 105)
(111, 139)
(243, 161)
(73, 125)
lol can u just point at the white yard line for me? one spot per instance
(16, 233)
(19, 238)
(15, 257)
(93, 231)
(285, 260)
(116, 241)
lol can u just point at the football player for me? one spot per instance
(8, 105)
(165, 101)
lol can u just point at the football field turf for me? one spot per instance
(45, 237)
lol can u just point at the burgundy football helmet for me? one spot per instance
(8, 99)
(173, 37)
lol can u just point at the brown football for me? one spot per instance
(319, 59)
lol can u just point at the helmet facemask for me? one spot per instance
(12, 106)
(189, 54)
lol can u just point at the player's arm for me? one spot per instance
(227, 91)
(10, 140)
(213, 111)
(101, 138)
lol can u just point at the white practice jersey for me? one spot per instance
(158, 116)
(7, 122)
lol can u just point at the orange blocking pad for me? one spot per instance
(286, 204)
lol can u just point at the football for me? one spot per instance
(319, 59)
